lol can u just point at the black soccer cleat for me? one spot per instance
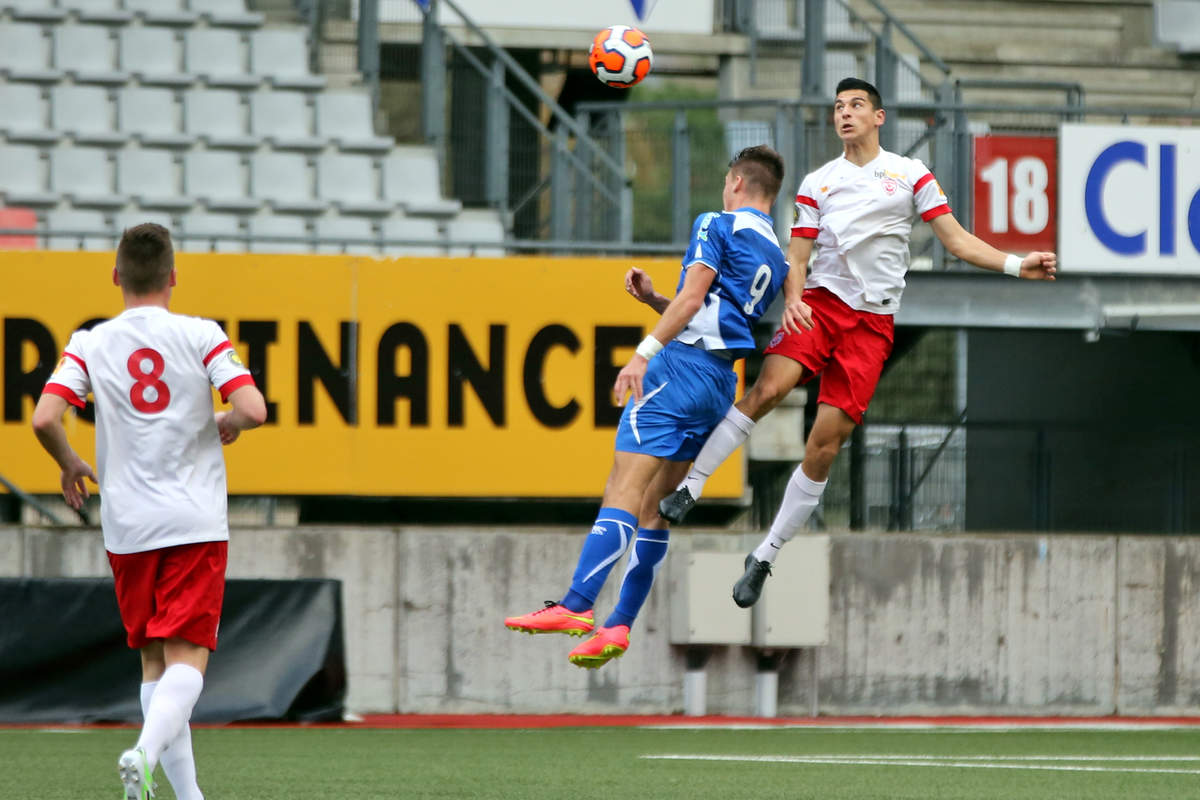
(675, 506)
(749, 587)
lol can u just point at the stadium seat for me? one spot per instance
(1177, 25)
(838, 65)
(345, 228)
(284, 119)
(77, 229)
(127, 219)
(34, 10)
(350, 183)
(284, 180)
(108, 12)
(472, 227)
(85, 175)
(424, 232)
(25, 53)
(218, 118)
(25, 182)
(152, 55)
(281, 56)
(218, 179)
(18, 218)
(214, 228)
(272, 225)
(410, 179)
(218, 56)
(227, 13)
(23, 114)
(150, 115)
(162, 12)
(151, 178)
(85, 113)
(87, 54)
(345, 117)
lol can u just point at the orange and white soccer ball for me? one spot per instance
(620, 56)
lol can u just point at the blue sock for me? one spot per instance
(648, 553)
(611, 534)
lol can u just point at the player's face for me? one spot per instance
(727, 199)
(854, 117)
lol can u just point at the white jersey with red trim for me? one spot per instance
(158, 452)
(861, 218)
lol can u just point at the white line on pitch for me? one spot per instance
(918, 761)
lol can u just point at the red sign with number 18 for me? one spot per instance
(1016, 188)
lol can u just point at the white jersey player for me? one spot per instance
(162, 486)
(858, 209)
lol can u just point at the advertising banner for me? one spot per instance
(1015, 187)
(429, 377)
(1129, 199)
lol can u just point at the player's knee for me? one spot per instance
(764, 395)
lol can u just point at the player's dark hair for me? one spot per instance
(846, 84)
(145, 258)
(761, 167)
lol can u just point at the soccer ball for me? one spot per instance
(620, 56)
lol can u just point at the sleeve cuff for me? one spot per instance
(937, 211)
(804, 233)
(64, 393)
(232, 385)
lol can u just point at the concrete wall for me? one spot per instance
(919, 624)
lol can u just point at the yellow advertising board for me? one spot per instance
(434, 377)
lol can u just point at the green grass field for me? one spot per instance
(614, 762)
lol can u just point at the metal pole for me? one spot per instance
(625, 188)
(812, 80)
(433, 82)
(783, 201)
(885, 82)
(29, 499)
(368, 46)
(496, 143)
(559, 196)
(582, 190)
(681, 174)
(858, 466)
(943, 162)
(904, 481)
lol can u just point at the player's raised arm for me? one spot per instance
(1036, 266)
(52, 434)
(675, 317)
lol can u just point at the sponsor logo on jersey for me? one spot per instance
(233, 359)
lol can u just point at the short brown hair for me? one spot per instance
(145, 258)
(761, 167)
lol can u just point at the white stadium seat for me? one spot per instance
(281, 56)
(87, 53)
(218, 56)
(85, 113)
(23, 115)
(471, 227)
(218, 179)
(152, 55)
(231, 13)
(410, 179)
(284, 180)
(81, 230)
(151, 116)
(151, 178)
(345, 117)
(284, 119)
(423, 231)
(36, 10)
(104, 11)
(219, 232)
(350, 183)
(25, 53)
(348, 228)
(25, 177)
(272, 225)
(162, 12)
(85, 175)
(218, 117)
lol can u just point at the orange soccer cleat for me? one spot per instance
(553, 619)
(607, 644)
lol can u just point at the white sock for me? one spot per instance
(801, 497)
(177, 760)
(725, 438)
(171, 704)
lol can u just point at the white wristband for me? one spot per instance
(649, 347)
(1012, 265)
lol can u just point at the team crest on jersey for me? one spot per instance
(889, 185)
(776, 339)
(233, 359)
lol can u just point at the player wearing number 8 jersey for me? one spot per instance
(858, 209)
(732, 270)
(162, 486)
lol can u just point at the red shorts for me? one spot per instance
(846, 347)
(175, 592)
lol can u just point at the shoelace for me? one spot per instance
(549, 605)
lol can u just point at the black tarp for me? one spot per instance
(63, 658)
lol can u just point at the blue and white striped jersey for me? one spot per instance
(741, 247)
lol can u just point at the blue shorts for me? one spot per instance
(685, 393)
